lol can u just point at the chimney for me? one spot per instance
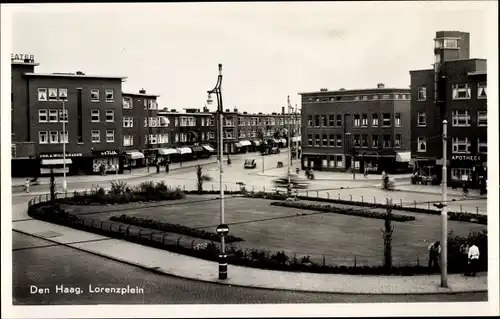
(245, 113)
(341, 89)
(142, 91)
(205, 109)
(235, 110)
(79, 73)
(323, 90)
(380, 86)
(173, 110)
(227, 110)
(282, 110)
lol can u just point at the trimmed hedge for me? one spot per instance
(344, 211)
(173, 228)
(212, 192)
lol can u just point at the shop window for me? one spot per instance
(461, 145)
(482, 118)
(42, 116)
(461, 91)
(94, 95)
(96, 136)
(54, 137)
(340, 161)
(374, 119)
(52, 94)
(421, 144)
(94, 115)
(356, 98)
(43, 137)
(461, 174)
(42, 94)
(110, 95)
(481, 90)
(422, 93)
(460, 118)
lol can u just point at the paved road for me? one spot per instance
(45, 265)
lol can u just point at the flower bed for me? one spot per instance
(343, 211)
(172, 228)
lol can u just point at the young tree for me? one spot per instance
(52, 186)
(199, 176)
(387, 235)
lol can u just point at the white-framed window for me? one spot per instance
(482, 146)
(42, 116)
(128, 140)
(211, 135)
(309, 140)
(63, 115)
(183, 137)
(385, 96)
(145, 104)
(176, 121)
(364, 119)
(110, 95)
(43, 137)
(357, 120)
(375, 141)
(365, 97)
(460, 118)
(94, 115)
(357, 140)
(309, 120)
(338, 140)
(127, 103)
(482, 118)
(153, 139)
(128, 121)
(110, 136)
(375, 97)
(110, 115)
(96, 136)
(54, 137)
(152, 104)
(63, 94)
(153, 122)
(396, 96)
(340, 160)
(421, 144)
(421, 93)
(211, 121)
(397, 119)
(53, 116)
(331, 140)
(52, 94)
(356, 98)
(421, 119)
(145, 122)
(386, 119)
(461, 91)
(94, 95)
(163, 138)
(397, 141)
(325, 140)
(317, 141)
(460, 174)
(42, 94)
(461, 145)
(374, 119)
(202, 121)
(481, 90)
(63, 137)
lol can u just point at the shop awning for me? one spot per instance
(56, 161)
(208, 148)
(135, 154)
(164, 121)
(237, 144)
(184, 150)
(245, 143)
(167, 151)
(256, 143)
(403, 157)
(197, 149)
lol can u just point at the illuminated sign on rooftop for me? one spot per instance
(22, 57)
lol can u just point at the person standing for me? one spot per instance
(464, 250)
(27, 185)
(434, 251)
(473, 260)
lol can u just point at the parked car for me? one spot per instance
(250, 163)
(275, 150)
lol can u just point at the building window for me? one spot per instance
(63, 115)
(397, 141)
(331, 140)
(325, 140)
(357, 140)
(482, 146)
(94, 95)
(461, 91)
(375, 142)
(63, 94)
(374, 119)
(52, 94)
(397, 119)
(356, 98)
(128, 140)
(110, 95)
(365, 97)
(110, 136)
(145, 122)
(53, 115)
(153, 122)
(339, 120)
(42, 116)
(387, 141)
(184, 136)
(309, 140)
(421, 119)
(396, 96)
(421, 144)
(339, 140)
(63, 137)
(211, 135)
(385, 96)
(356, 120)
(316, 120)
(96, 136)
(145, 104)
(153, 139)
(323, 121)
(317, 141)
(460, 118)
(482, 118)
(127, 103)
(331, 120)
(94, 115)
(42, 94)
(461, 145)
(43, 137)
(110, 115)
(54, 137)
(375, 97)
(422, 93)
(481, 90)
(461, 174)
(364, 140)
(364, 119)
(128, 121)
(386, 119)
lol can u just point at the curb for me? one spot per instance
(162, 272)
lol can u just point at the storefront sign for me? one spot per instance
(60, 155)
(466, 158)
(108, 153)
(21, 57)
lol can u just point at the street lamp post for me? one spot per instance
(65, 118)
(289, 188)
(222, 229)
(444, 213)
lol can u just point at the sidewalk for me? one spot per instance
(165, 262)
(436, 189)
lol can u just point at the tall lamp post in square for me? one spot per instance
(222, 229)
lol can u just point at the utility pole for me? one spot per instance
(289, 188)
(65, 118)
(444, 213)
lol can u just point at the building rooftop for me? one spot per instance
(140, 94)
(75, 75)
(25, 63)
(357, 91)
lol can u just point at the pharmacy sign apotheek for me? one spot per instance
(22, 57)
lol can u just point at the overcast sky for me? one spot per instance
(268, 50)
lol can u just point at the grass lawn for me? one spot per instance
(339, 237)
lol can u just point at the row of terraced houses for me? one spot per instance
(105, 126)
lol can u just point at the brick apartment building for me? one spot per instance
(455, 90)
(371, 126)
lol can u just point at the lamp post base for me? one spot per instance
(65, 186)
(222, 267)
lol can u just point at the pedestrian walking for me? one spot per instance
(434, 251)
(473, 260)
(464, 250)
(466, 189)
(27, 185)
(228, 161)
(167, 166)
(365, 172)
